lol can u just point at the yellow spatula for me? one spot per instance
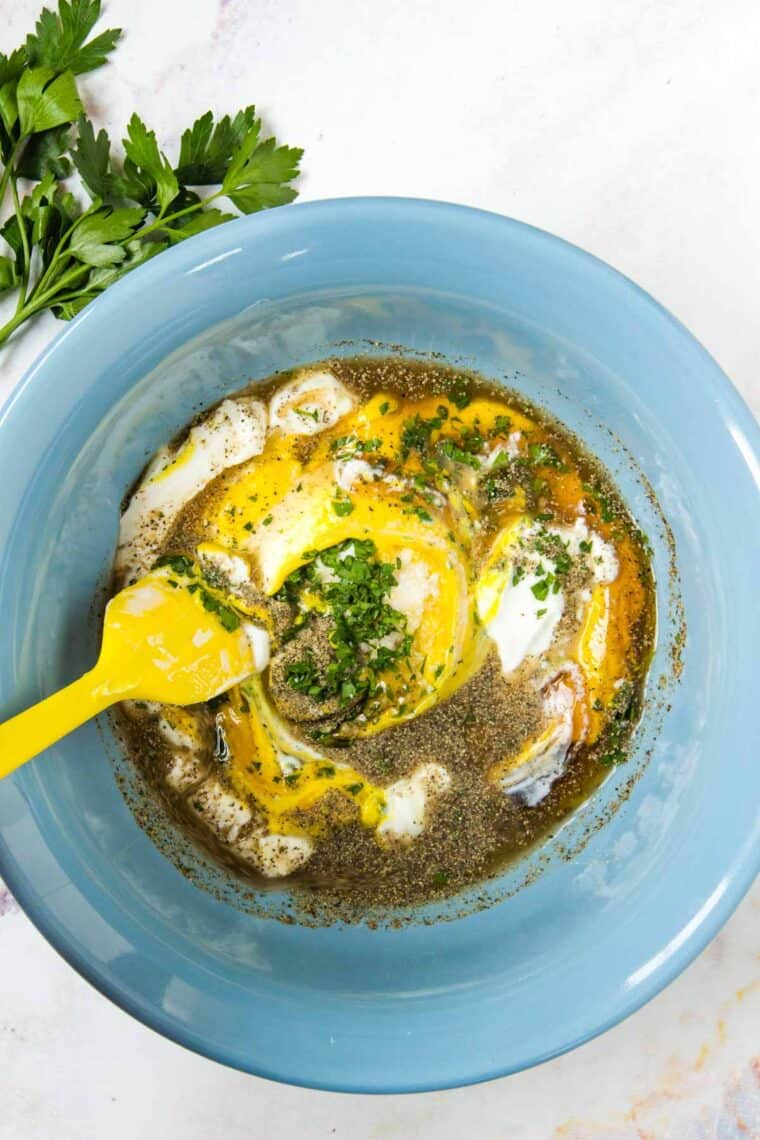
(168, 638)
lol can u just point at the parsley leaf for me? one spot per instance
(206, 148)
(92, 157)
(45, 153)
(7, 274)
(257, 176)
(60, 39)
(98, 237)
(149, 166)
(46, 100)
(63, 255)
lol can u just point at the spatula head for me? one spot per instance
(164, 640)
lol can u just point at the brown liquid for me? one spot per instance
(475, 829)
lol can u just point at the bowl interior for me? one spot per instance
(562, 953)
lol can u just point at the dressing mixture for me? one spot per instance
(457, 612)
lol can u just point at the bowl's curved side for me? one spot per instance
(580, 948)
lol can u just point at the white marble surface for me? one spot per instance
(629, 127)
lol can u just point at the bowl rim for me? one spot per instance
(718, 908)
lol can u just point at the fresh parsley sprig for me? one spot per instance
(63, 254)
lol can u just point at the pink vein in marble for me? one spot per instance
(8, 904)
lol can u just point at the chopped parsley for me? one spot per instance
(186, 568)
(540, 589)
(448, 448)
(416, 433)
(355, 597)
(544, 455)
(598, 498)
(228, 619)
(342, 507)
(303, 676)
(459, 393)
(622, 712)
(551, 547)
(502, 460)
(177, 563)
(615, 756)
(420, 512)
(346, 446)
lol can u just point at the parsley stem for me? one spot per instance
(57, 292)
(4, 180)
(10, 166)
(160, 223)
(54, 260)
(36, 304)
(24, 243)
(17, 319)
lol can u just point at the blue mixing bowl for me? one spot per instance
(583, 931)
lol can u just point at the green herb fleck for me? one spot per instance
(540, 589)
(544, 455)
(459, 393)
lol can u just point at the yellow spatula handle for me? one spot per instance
(29, 733)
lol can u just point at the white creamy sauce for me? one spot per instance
(276, 855)
(407, 801)
(179, 729)
(602, 558)
(523, 626)
(349, 472)
(233, 433)
(511, 449)
(259, 641)
(309, 404)
(532, 781)
(219, 809)
(415, 585)
(235, 569)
